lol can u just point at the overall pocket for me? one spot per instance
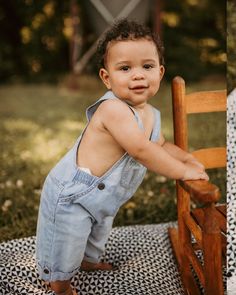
(131, 174)
(73, 191)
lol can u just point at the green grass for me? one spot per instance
(39, 123)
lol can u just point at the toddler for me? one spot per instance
(83, 192)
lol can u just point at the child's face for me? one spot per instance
(133, 71)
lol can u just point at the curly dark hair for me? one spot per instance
(126, 30)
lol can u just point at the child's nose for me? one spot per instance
(138, 74)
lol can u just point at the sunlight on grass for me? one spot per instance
(72, 125)
(44, 148)
(19, 125)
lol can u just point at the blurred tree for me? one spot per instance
(35, 37)
(231, 45)
(194, 34)
(34, 41)
(76, 35)
(10, 41)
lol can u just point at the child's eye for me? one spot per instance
(124, 68)
(148, 66)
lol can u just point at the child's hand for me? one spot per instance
(195, 171)
(195, 162)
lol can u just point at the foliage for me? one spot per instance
(35, 38)
(195, 38)
(231, 44)
(39, 123)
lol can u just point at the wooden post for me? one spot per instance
(184, 239)
(156, 15)
(212, 253)
(179, 113)
(74, 42)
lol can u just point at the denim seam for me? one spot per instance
(54, 274)
(57, 182)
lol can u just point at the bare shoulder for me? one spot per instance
(113, 105)
(114, 108)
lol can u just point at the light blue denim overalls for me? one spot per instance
(77, 208)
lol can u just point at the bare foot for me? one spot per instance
(89, 266)
(62, 288)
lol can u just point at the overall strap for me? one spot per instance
(109, 95)
(92, 109)
(157, 125)
(140, 123)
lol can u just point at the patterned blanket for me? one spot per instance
(142, 255)
(231, 193)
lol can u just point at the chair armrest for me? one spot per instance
(201, 190)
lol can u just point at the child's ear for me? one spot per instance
(162, 72)
(105, 77)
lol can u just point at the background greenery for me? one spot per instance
(39, 123)
(35, 35)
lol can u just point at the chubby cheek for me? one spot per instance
(120, 79)
(119, 82)
(154, 86)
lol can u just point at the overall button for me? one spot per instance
(46, 271)
(101, 186)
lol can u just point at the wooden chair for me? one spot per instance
(202, 228)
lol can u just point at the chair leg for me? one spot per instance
(184, 237)
(190, 286)
(212, 254)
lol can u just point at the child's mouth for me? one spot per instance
(139, 87)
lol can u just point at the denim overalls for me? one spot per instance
(77, 208)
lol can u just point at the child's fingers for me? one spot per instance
(204, 176)
(197, 163)
(200, 165)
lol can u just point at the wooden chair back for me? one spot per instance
(197, 102)
(208, 223)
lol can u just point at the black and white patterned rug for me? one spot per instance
(142, 255)
(231, 193)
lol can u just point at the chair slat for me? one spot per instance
(173, 233)
(195, 263)
(222, 209)
(206, 101)
(221, 220)
(198, 215)
(211, 157)
(194, 228)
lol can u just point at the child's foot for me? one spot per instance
(62, 288)
(89, 266)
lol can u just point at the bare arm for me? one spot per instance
(119, 121)
(177, 152)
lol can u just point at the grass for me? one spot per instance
(39, 123)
